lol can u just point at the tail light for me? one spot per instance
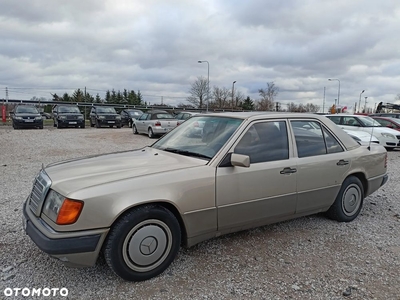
(158, 123)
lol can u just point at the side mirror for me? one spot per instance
(240, 160)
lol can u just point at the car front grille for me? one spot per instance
(40, 188)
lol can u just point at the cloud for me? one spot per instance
(153, 46)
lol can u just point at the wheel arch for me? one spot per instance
(361, 176)
(166, 205)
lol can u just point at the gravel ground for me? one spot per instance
(306, 258)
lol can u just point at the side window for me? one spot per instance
(350, 121)
(265, 141)
(313, 139)
(332, 145)
(143, 117)
(335, 119)
(179, 116)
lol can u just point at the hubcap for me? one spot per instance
(351, 200)
(147, 245)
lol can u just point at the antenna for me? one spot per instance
(372, 132)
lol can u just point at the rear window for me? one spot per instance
(162, 116)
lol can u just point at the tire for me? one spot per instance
(97, 124)
(91, 124)
(134, 129)
(41, 126)
(54, 124)
(58, 125)
(111, 126)
(119, 126)
(14, 126)
(125, 247)
(348, 202)
(83, 126)
(150, 133)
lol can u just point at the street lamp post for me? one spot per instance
(365, 105)
(208, 80)
(233, 92)
(338, 94)
(359, 101)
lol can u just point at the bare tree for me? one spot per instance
(267, 97)
(309, 107)
(221, 97)
(239, 99)
(198, 92)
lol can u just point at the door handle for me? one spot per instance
(342, 162)
(288, 170)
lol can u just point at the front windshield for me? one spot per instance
(369, 122)
(69, 109)
(201, 136)
(106, 110)
(26, 110)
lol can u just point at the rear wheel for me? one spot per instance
(348, 202)
(143, 243)
(150, 133)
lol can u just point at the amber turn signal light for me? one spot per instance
(69, 212)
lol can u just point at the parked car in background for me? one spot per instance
(26, 116)
(138, 207)
(128, 115)
(184, 115)
(104, 116)
(387, 115)
(46, 115)
(388, 122)
(387, 137)
(65, 115)
(154, 123)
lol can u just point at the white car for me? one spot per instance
(387, 137)
(363, 137)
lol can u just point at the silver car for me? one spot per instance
(245, 170)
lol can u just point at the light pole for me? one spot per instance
(233, 92)
(365, 105)
(359, 101)
(338, 94)
(208, 80)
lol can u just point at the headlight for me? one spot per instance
(38, 118)
(62, 117)
(118, 117)
(80, 117)
(388, 135)
(62, 210)
(18, 118)
(102, 117)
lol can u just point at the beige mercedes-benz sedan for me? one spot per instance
(239, 171)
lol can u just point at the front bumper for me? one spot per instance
(30, 124)
(109, 122)
(72, 123)
(72, 248)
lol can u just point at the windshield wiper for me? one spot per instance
(185, 152)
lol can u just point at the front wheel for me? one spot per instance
(97, 123)
(348, 202)
(143, 243)
(134, 129)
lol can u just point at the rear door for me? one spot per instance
(322, 165)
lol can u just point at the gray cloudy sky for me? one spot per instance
(153, 46)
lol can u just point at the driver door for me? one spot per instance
(266, 190)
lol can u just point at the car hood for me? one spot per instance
(73, 175)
